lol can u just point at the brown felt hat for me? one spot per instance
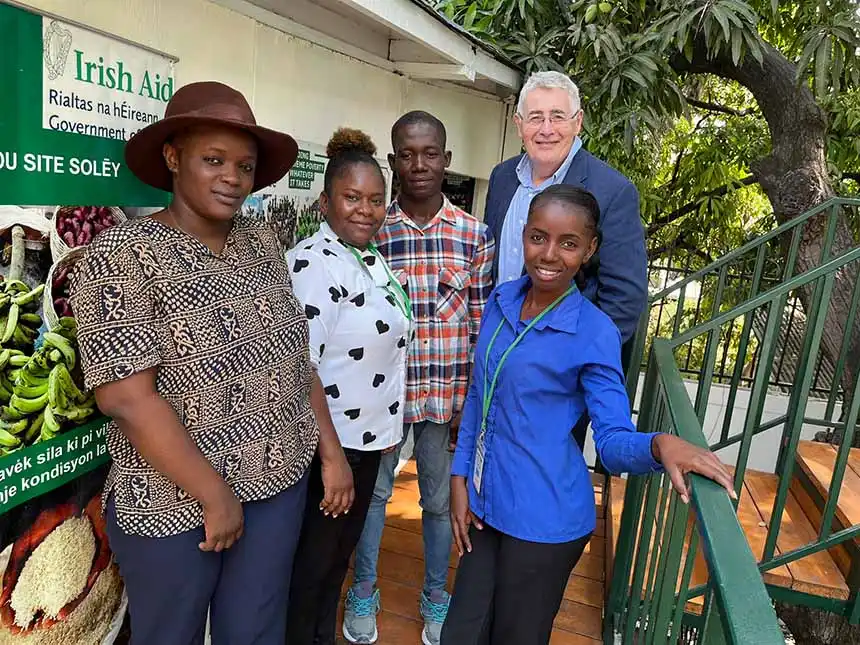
(208, 103)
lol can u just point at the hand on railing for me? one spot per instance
(680, 457)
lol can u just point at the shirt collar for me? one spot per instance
(448, 213)
(524, 167)
(564, 318)
(374, 267)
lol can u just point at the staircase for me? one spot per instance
(709, 573)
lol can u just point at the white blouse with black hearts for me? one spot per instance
(359, 337)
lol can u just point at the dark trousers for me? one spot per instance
(171, 583)
(323, 555)
(508, 591)
(580, 430)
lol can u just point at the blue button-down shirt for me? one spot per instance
(535, 484)
(510, 247)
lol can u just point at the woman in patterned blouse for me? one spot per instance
(196, 347)
(360, 320)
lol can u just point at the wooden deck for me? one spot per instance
(820, 574)
(401, 574)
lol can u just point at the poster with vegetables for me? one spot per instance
(291, 207)
(71, 98)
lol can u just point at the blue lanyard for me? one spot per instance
(490, 386)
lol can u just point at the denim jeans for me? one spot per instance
(434, 483)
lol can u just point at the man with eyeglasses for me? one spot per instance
(549, 119)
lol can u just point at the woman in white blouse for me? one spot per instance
(360, 320)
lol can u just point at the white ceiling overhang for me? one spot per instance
(403, 36)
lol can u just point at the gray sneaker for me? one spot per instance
(359, 616)
(434, 610)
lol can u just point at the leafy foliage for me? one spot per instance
(686, 140)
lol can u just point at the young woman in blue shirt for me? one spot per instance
(522, 502)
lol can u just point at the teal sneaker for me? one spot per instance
(359, 615)
(434, 610)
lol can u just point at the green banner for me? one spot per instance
(69, 100)
(34, 471)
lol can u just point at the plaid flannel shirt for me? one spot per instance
(446, 268)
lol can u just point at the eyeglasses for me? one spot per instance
(536, 120)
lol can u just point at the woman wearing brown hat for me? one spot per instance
(197, 348)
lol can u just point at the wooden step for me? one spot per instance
(817, 574)
(401, 573)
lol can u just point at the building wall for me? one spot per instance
(765, 446)
(292, 84)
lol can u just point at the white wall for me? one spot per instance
(292, 84)
(765, 446)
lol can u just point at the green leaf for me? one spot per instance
(717, 12)
(613, 92)
(635, 76)
(469, 20)
(737, 42)
(591, 13)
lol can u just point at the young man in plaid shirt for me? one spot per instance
(443, 257)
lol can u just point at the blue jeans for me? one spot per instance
(434, 483)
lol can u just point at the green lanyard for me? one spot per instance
(490, 386)
(394, 289)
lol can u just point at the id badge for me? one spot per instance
(478, 472)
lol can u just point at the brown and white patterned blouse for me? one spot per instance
(230, 342)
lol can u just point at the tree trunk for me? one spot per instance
(817, 627)
(794, 178)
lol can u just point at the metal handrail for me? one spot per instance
(645, 604)
(783, 289)
(753, 244)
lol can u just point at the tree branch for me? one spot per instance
(686, 209)
(722, 109)
(682, 243)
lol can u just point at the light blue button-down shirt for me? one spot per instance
(535, 483)
(510, 247)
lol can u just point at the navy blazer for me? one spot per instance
(618, 275)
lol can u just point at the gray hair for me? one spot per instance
(549, 80)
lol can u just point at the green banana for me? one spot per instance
(10, 414)
(8, 440)
(56, 395)
(35, 428)
(28, 378)
(16, 286)
(50, 424)
(29, 297)
(59, 342)
(5, 299)
(68, 328)
(5, 355)
(29, 406)
(31, 391)
(78, 414)
(14, 427)
(11, 324)
(16, 352)
(31, 319)
(67, 385)
(23, 336)
(19, 360)
(5, 384)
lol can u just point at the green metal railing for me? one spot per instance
(647, 598)
(758, 348)
(755, 267)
